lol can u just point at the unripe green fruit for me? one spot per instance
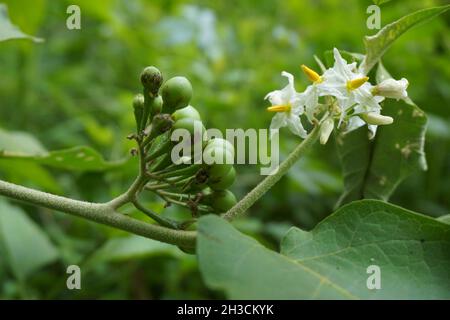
(222, 201)
(223, 183)
(186, 112)
(195, 128)
(223, 162)
(176, 94)
(151, 79)
(156, 105)
(219, 143)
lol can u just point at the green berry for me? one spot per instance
(151, 79)
(186, 112)
(224, 182)
(176, 94)
(219, 143)
(220, 162)
(195, 128)
(156, 105)
(222, 201)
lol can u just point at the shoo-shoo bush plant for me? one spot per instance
(380, 137)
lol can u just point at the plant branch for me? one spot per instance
(245, 203)
(160, 219)
(102, 213)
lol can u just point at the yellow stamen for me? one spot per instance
(279, 108)
(312, 75)
(356, 83)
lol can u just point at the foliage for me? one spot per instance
(69, 98)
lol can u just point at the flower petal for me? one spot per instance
(295, 125)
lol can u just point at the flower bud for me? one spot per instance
(138, 106)
(391, 88)
(325, 130)
(176, 94)
(151, 79)
(160, 124)
(376, 119)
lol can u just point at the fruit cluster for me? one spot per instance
(161, 110)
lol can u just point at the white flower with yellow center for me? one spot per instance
(353, 87)
(288, 105)
(319, 88)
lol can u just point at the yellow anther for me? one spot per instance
(312, 75)
(280, 108)
(356, 83)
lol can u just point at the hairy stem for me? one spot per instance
(102, 213)
(245, 203)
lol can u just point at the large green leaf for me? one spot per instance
(26, 246)
(379, 43)
(9, 31)
(374, 168)
(411, 250)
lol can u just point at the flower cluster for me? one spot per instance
(342, 94)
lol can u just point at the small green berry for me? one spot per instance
(224, 182)
(219, 143)
(156, 105)
(176, 94)
(222, 201)
(186, 112)
(195, 128)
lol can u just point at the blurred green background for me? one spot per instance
(76, 89)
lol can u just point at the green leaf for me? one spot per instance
(27, 247)
(380, 2)
(374, 168)
(444, 219)
(331, 261)
(9, 31)
(28, 173)
(132, 247)
(19, 141)
(379, 43)
(75, 159)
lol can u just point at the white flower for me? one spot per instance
(310, 97)
(391, 88)
(353, 87)
(289, 106)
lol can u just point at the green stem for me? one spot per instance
(160, 219)
(245, 203)
(102, 213)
